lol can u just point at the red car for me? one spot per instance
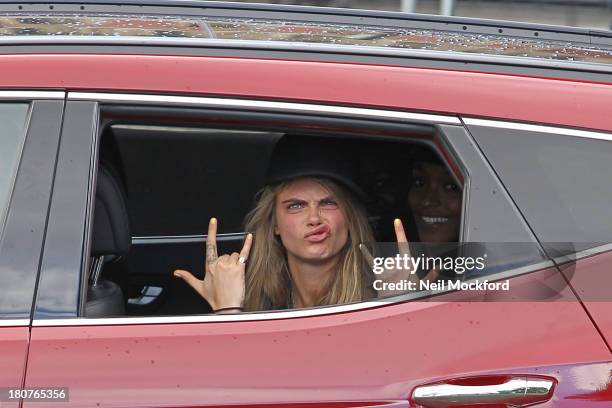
(175, 107)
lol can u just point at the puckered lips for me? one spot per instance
(318, 234)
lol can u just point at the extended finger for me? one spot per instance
(211, 242)
(189, 278)
(246, 248)
(400, 234)
(367, 255)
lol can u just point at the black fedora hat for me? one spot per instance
(303, 156)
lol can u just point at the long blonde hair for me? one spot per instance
(268, 280)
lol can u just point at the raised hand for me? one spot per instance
(223, 286)
(397, 274)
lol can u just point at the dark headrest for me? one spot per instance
(111, 230)
(295, 157)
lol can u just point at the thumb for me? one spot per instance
(189, 278)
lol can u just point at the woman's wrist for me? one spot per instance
(228, 310)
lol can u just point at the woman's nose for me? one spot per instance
(430, 198)
(314, 213)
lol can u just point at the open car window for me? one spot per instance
(174, 176)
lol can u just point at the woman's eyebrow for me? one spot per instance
(328, 197)
(293, 200)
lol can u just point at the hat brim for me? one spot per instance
(349, 185)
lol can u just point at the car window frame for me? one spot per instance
(256, 107)
(23, 234)
(65, 245)
(497, 125)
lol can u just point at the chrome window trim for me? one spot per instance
(262, 105)
(91, 202)
(282, 314)
(275, 315)
(179, 239)
(594, 251)
(18, 95)
(587, 134)
(14, 322)
(583, 254)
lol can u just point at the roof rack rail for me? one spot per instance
(300, 12)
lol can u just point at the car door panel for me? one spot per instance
(13, 351)
(590, 277)
(378, 354)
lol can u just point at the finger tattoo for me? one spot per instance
(211, 256)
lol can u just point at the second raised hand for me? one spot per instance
(396, 274)
(403, 247)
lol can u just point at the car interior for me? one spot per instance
(159, 181)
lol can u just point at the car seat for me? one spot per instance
(111, 239)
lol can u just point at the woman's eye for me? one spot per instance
(295, 206)
(329, 203)
(451, 187)
(417, 182)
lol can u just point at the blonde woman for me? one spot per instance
(302, 249)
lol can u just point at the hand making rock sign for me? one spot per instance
(223, 286)
(395, 275)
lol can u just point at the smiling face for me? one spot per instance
(435, 201)
(310, 222)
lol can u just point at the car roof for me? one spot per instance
(195, 23)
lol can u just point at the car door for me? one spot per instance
(29, 136)
(407, 350)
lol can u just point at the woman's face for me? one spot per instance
(310, 222)
(435, 201)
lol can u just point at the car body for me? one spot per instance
(187, 100)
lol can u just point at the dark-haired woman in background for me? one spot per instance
(435, 201)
